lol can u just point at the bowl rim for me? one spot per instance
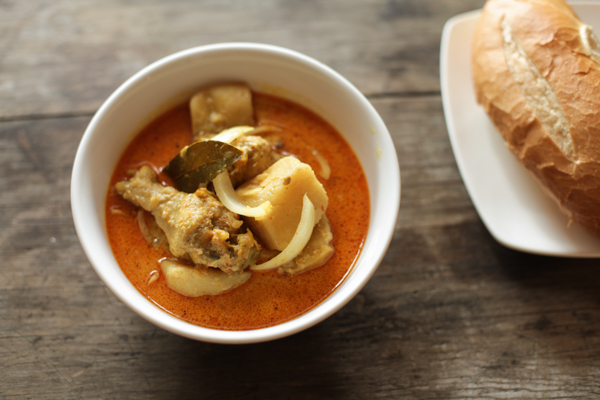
(318, 313)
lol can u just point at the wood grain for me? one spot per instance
(66, 57)
(450, 313)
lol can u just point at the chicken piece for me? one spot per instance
(198, 227)
(284, 184)
(220, 107)
(194, 281)
(257, 156)
(316, 252)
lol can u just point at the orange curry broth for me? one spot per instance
(268, 298)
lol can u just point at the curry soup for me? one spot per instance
(268, 298)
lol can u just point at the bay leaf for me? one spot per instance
(200, 162)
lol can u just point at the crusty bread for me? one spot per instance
(536, 71)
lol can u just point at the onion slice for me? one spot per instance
(265, 128)
(229, 135)
(222, 182)
(325, 168)
(232, 202)
(301, 237)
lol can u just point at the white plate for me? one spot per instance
(508, 199)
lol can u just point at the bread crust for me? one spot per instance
(551, 35)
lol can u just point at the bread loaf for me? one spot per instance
(536, 71)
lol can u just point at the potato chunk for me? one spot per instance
(284, 184)
(199, 280)
(220, 107)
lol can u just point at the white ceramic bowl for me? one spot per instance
(267, 69)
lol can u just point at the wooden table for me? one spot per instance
(449, 314)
